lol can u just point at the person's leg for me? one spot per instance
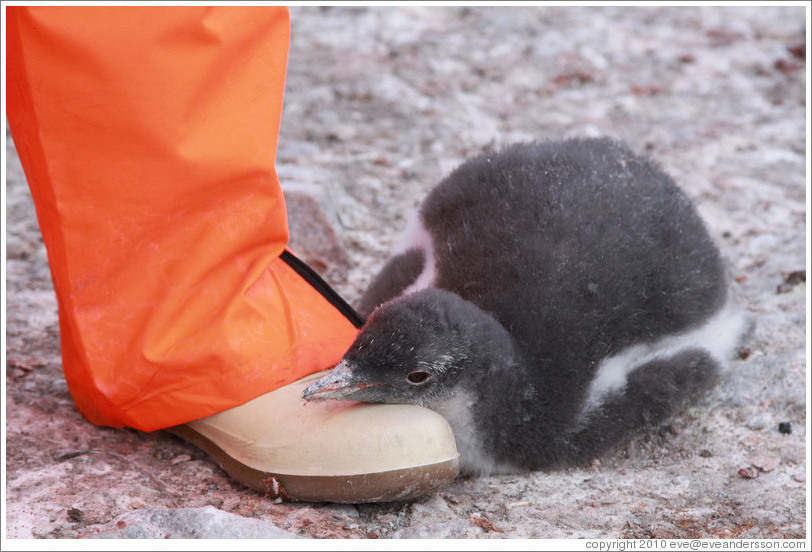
(148, 137)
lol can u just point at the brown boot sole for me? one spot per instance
(384, 486)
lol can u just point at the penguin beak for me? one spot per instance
(339, 383)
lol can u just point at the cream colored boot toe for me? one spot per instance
(332, 451)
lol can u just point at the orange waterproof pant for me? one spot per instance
(148, 137)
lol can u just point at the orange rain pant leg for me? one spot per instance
(148, 138)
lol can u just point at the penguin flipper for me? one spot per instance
(654, 392)
(395, 277)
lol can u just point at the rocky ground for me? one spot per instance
(380, 104)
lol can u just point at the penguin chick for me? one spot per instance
(549, 300)
(434, 349)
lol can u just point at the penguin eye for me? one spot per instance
(418, 377)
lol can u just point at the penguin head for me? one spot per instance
(415, 349)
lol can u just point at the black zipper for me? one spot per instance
(312, 277)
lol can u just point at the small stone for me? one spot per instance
(798, 50)
(70, 454)
(16, 373)
(765, 463)
(451, 499)
(705, 453)
(791, 279)
(787, 67)
(646, 90)
(757, 423)
(682, 481)
(434, 507)
(785, 428)
(479, 520)
(75, 515)
(748, 473)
